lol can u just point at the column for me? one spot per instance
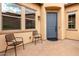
(22, 18)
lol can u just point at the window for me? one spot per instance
(29, 19)
(11, 16)
(71, 21)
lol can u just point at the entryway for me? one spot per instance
(51, 26)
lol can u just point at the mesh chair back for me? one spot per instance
(35, 33)
(9, 37)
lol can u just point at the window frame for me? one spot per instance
(30, 18)
(71, 21)
(13, 17)
(22, 20)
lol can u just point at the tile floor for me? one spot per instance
(48, 48)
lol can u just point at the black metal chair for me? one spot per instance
(12, 41)
(37, 36)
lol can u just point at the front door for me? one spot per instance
(51, 25)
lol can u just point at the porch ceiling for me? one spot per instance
(52, 8)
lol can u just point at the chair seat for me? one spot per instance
(37, 36)
(15, 43)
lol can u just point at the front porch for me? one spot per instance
(48, 48)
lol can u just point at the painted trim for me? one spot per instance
(72, 29)
(16, 31)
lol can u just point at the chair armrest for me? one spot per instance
(19, 38)
(39, 34)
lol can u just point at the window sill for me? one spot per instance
(71, 29)
(16, 31)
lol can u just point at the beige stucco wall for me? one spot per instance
(53, 4)
(60, 19)
(63, 31)
(72, 33)
(25, 33)
(40, 24)
(34, 7)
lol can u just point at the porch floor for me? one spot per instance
(48, 48)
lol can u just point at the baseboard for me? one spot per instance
(71, 39)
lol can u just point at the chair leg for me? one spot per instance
(32, 39)
(5, 50)
(41, 40)
(15, 50)
(35, 41)
(23, 46)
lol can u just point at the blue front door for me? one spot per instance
(51, 25)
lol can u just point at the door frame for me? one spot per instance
(56, 23)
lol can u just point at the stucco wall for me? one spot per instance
(53, 4)
(72, 33)
(63, 31)
(60, 19)
(37, 8)
(25, 33)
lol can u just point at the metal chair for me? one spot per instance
(11, 41)
(36, 36)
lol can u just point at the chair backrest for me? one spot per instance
(9, 37)
(35, 33)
